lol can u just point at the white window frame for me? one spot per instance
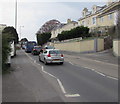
(94, 20)
(101, 19)
(110, 16)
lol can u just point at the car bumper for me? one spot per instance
(54, 60)
(36, 53)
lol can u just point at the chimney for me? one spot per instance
(68, 20)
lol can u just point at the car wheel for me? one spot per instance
(39, 58)
(45, 62)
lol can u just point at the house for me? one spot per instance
(2, 26)
(63, 27)
(101, 18)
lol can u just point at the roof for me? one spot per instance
(59, 26)
(37, 46)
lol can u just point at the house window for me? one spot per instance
(110, 16)
(88, 22)
(83, 23)
(102, 19)
(94, 20)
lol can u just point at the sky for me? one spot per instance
(31, 15)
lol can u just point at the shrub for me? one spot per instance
(43, 38)
(79, 31)
(8, 34)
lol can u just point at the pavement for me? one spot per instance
(26, 83)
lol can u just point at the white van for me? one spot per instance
(13, 49)
(12, 53)
(8, 62)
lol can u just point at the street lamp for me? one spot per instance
(20, 31)
(16, 14)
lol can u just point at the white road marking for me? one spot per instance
(100, 73)
(29, 57)
(61, 86)
(87, 68)
(72, 95)
(60, 83)
(92, 69)
(112, 77)
(48, 73)
(34, 61)
(97, 72)
(71, 63)
(98, 61)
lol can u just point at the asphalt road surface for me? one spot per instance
(69, 82)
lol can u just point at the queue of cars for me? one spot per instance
(48, 54)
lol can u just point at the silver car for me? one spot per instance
(51, 56)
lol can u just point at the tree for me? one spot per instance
(8, 34)
(11, 33)
(24, 40)
(5, 50)
(43, 38)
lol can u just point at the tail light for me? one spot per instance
(62, 55)
(49, 55)
(34, 49)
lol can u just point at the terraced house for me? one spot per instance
(100, 19)
(63, 27)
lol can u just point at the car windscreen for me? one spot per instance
(54, 52)
(31, 44)
(49, 47)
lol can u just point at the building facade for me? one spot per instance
(100, 19)
(2, 26)
(63, 27)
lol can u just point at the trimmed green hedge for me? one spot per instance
(79, 31)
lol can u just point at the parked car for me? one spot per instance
(13, 48)
(36, 50)
(51, 56)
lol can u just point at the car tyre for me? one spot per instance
(45, 62)
(61, 63)
(39, 59)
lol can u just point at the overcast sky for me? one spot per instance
(33, 14)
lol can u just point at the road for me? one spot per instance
(69, 82)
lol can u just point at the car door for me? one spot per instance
(43, 55)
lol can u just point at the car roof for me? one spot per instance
(52, 50)
(37, 46)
